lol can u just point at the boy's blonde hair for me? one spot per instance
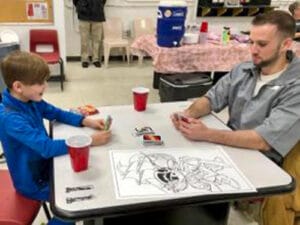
(25, 67)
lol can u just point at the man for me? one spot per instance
(91, 16)
(263, 99)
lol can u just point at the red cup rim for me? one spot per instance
(79, 141)
(140, 90)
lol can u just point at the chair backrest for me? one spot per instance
(112, 28)
(39, 38)
(14, 208)
(143, 26)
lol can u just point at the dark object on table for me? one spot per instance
(180, 87)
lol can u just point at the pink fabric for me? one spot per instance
(191, 58)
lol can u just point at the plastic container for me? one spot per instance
(203, 32)
(225, 35)
(171, 17)
(190, 38)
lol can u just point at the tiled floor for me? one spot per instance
(110, 86)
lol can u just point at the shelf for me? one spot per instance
(232, 11)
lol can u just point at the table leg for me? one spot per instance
(212, 214)
(97, 221)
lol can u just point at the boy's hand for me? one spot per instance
(93, 123)
(101, 137)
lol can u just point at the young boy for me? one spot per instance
(27, 147)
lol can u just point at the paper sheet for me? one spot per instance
(175, 172)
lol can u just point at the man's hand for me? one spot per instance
(196, 130)
(177, 117)
(193, 129)
(198, 108)
(175, 120)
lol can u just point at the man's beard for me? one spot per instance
(270, 61)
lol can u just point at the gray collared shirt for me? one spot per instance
(274, 112)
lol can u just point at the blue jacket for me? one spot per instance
(26, 144)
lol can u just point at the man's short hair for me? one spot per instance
(25, 67)
(284, 22)
(293, 7)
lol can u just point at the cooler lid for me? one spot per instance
(170, 3)
(187, 79)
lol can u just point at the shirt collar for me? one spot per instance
(12, 102)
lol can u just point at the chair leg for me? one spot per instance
(123, 54)
(131, 58)
(46, 210)
(50, 127)
(140, 59)
(62, 74)
(2, 158)
(106, 55)
(128, 54)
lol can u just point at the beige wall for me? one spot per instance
(65, 20)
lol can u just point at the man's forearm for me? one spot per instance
(241, 138)
(199, 108)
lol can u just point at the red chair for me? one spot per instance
(45, 43)
(14, 208)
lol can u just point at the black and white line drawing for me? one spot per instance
(171, 172)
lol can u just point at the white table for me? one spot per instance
(266, 176)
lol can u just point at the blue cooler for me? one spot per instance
(170, 22)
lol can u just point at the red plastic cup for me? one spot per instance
(204, 26)
(79, 148)
(140, 95)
